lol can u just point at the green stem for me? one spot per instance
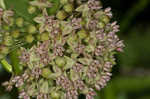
(14, 57)
(6, 65)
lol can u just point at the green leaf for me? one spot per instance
(20, 7)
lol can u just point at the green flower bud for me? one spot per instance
(19, 22)
(68, 8)
(31, 9)
(82, 34)
(60, 61)
(63, 1)
(32, 29)
(46, 72)
(101, 25)
(29, 38)
(8, 41)
(55, 95)
(44, 36)
(61, 15)
(105, 19)
(15, 33)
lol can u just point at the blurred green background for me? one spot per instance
(131, 75)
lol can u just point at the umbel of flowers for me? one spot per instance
(74, 53)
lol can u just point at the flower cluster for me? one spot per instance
(74, 54)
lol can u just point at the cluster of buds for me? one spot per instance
(12, 32)
(74, 52)
(6, 40)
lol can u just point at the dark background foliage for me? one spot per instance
(131, 75)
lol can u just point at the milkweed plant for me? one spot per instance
(65, 49)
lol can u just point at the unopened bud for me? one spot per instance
(55, 95)
(19, 22)
(29, 38)
(68, 8)
(82, 34)
(8, 41)
(60, 61)
(61, 15)
(15, 33)
(101, 25)
(44, 36)
(32, 29)
(105, 19)
(46, 72)
(31, 9)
